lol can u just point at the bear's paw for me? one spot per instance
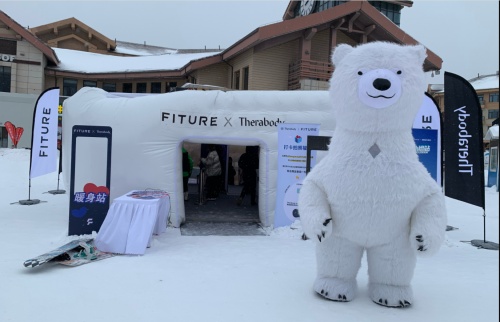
(336, 289)
(391, 295)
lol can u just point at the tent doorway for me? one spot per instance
(222, 216)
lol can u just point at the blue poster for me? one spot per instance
(426, 141)
(292, 153)
(90, 178)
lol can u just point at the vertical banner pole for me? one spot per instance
(43, 158)
(464, 157)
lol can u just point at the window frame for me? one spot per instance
(70, 86)
(127, 88)
(109, 87)
(5, 81)
(139, 87)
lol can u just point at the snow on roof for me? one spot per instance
(124, 47)
(485, 82)
(478, 83)
(492, 133)
(85, 62)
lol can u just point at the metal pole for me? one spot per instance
(201, 187)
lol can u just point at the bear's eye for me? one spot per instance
(399, 72)
(360, 73)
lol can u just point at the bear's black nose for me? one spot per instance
(381, 84)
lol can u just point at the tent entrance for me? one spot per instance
(222, 216)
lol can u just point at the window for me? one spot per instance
(5, 79)
(481, 99)
(69, 86)
(324, 5)
(3, 137)
(493, 158)
(390, 10)
(127, 87)
(156, 87)
(140, 88)
(246, 73)
(492, 114)
(237, 80)
(87, 83)
(493, 97)
(109, 87)
(171, 86)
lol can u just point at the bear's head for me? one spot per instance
(378, 86)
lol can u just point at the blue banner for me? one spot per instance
(426, 142)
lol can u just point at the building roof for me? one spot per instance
(485, 82)
(492, 133)
(479, 83)
(31, 38)
(73, 23)
(353, 16)
(358, 17)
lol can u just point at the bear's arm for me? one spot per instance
(428, 224)
(314, 211)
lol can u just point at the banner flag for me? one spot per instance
(44, 152)
(429, 118)
(292, 154)
(463, 142)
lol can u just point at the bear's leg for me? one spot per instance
(338, 261)
(390, 270)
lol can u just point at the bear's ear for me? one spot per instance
(340, 52)
(419, 52)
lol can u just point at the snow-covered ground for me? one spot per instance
(221, 278)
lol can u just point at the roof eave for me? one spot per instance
(35, 41)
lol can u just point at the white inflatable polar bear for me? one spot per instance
(371, 192)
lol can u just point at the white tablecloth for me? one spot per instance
(130, 224)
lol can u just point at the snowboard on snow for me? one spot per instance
(75, 253)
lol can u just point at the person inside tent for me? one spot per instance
(213, 170)
(187, 169)
(231, 172)
(249, 163)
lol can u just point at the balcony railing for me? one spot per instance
(308, 69)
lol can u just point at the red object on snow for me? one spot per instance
(15, 133)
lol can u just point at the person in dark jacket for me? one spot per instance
(213, 170)
(187, 169)
(249, 163)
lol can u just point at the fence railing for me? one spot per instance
(308, 69)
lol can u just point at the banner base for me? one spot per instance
(29, 202)
(484, 244)
(56, 192)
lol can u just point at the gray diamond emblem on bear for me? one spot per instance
(374, 150)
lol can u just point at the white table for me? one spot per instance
(131, 221)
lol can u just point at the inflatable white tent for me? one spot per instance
(148, 132)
